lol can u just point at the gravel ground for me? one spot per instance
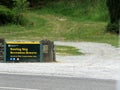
(100, 61)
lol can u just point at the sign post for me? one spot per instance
(41, 51)
(4, 52)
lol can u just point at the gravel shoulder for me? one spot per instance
(101, 61)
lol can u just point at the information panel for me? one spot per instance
(23, 51)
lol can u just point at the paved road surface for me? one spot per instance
(30, 82)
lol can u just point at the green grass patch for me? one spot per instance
(58, 28)
(94, 10)
(67, 50)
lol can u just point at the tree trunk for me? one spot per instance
(114, 13)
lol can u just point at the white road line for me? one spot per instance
(14, 88)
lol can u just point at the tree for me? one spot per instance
(7, 3)
(114, 13)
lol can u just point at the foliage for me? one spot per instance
(40, 3)
(114, 13)
(58, 28)
(14, 15)
(34, 3)
(113, 27)
(20, 6)
(6, 15)
(73, 20)
(94, 10)
(7, 3)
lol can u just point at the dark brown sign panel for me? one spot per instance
(22, 51)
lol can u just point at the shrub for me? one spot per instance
(7, 3)
(6, 15)
(19, 19)
(20, 6)
(14, 15)
(113, 28)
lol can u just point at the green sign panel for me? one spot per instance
(22, 51)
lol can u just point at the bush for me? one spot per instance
(7, 3)
(14, 15)
(20, 6)
(113, 28)
(6, 15)
(10, 16)
(19, 19)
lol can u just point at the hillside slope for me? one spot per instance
(64, 21)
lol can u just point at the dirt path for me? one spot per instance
(93, 51)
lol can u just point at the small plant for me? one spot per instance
(20, 6)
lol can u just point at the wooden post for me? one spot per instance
(48, 51)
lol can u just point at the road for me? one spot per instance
(32, 82)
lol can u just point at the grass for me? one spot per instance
(62, 28)
(64, 21)
(94, 10)
(67, 50)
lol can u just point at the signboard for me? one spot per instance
(22, 51)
